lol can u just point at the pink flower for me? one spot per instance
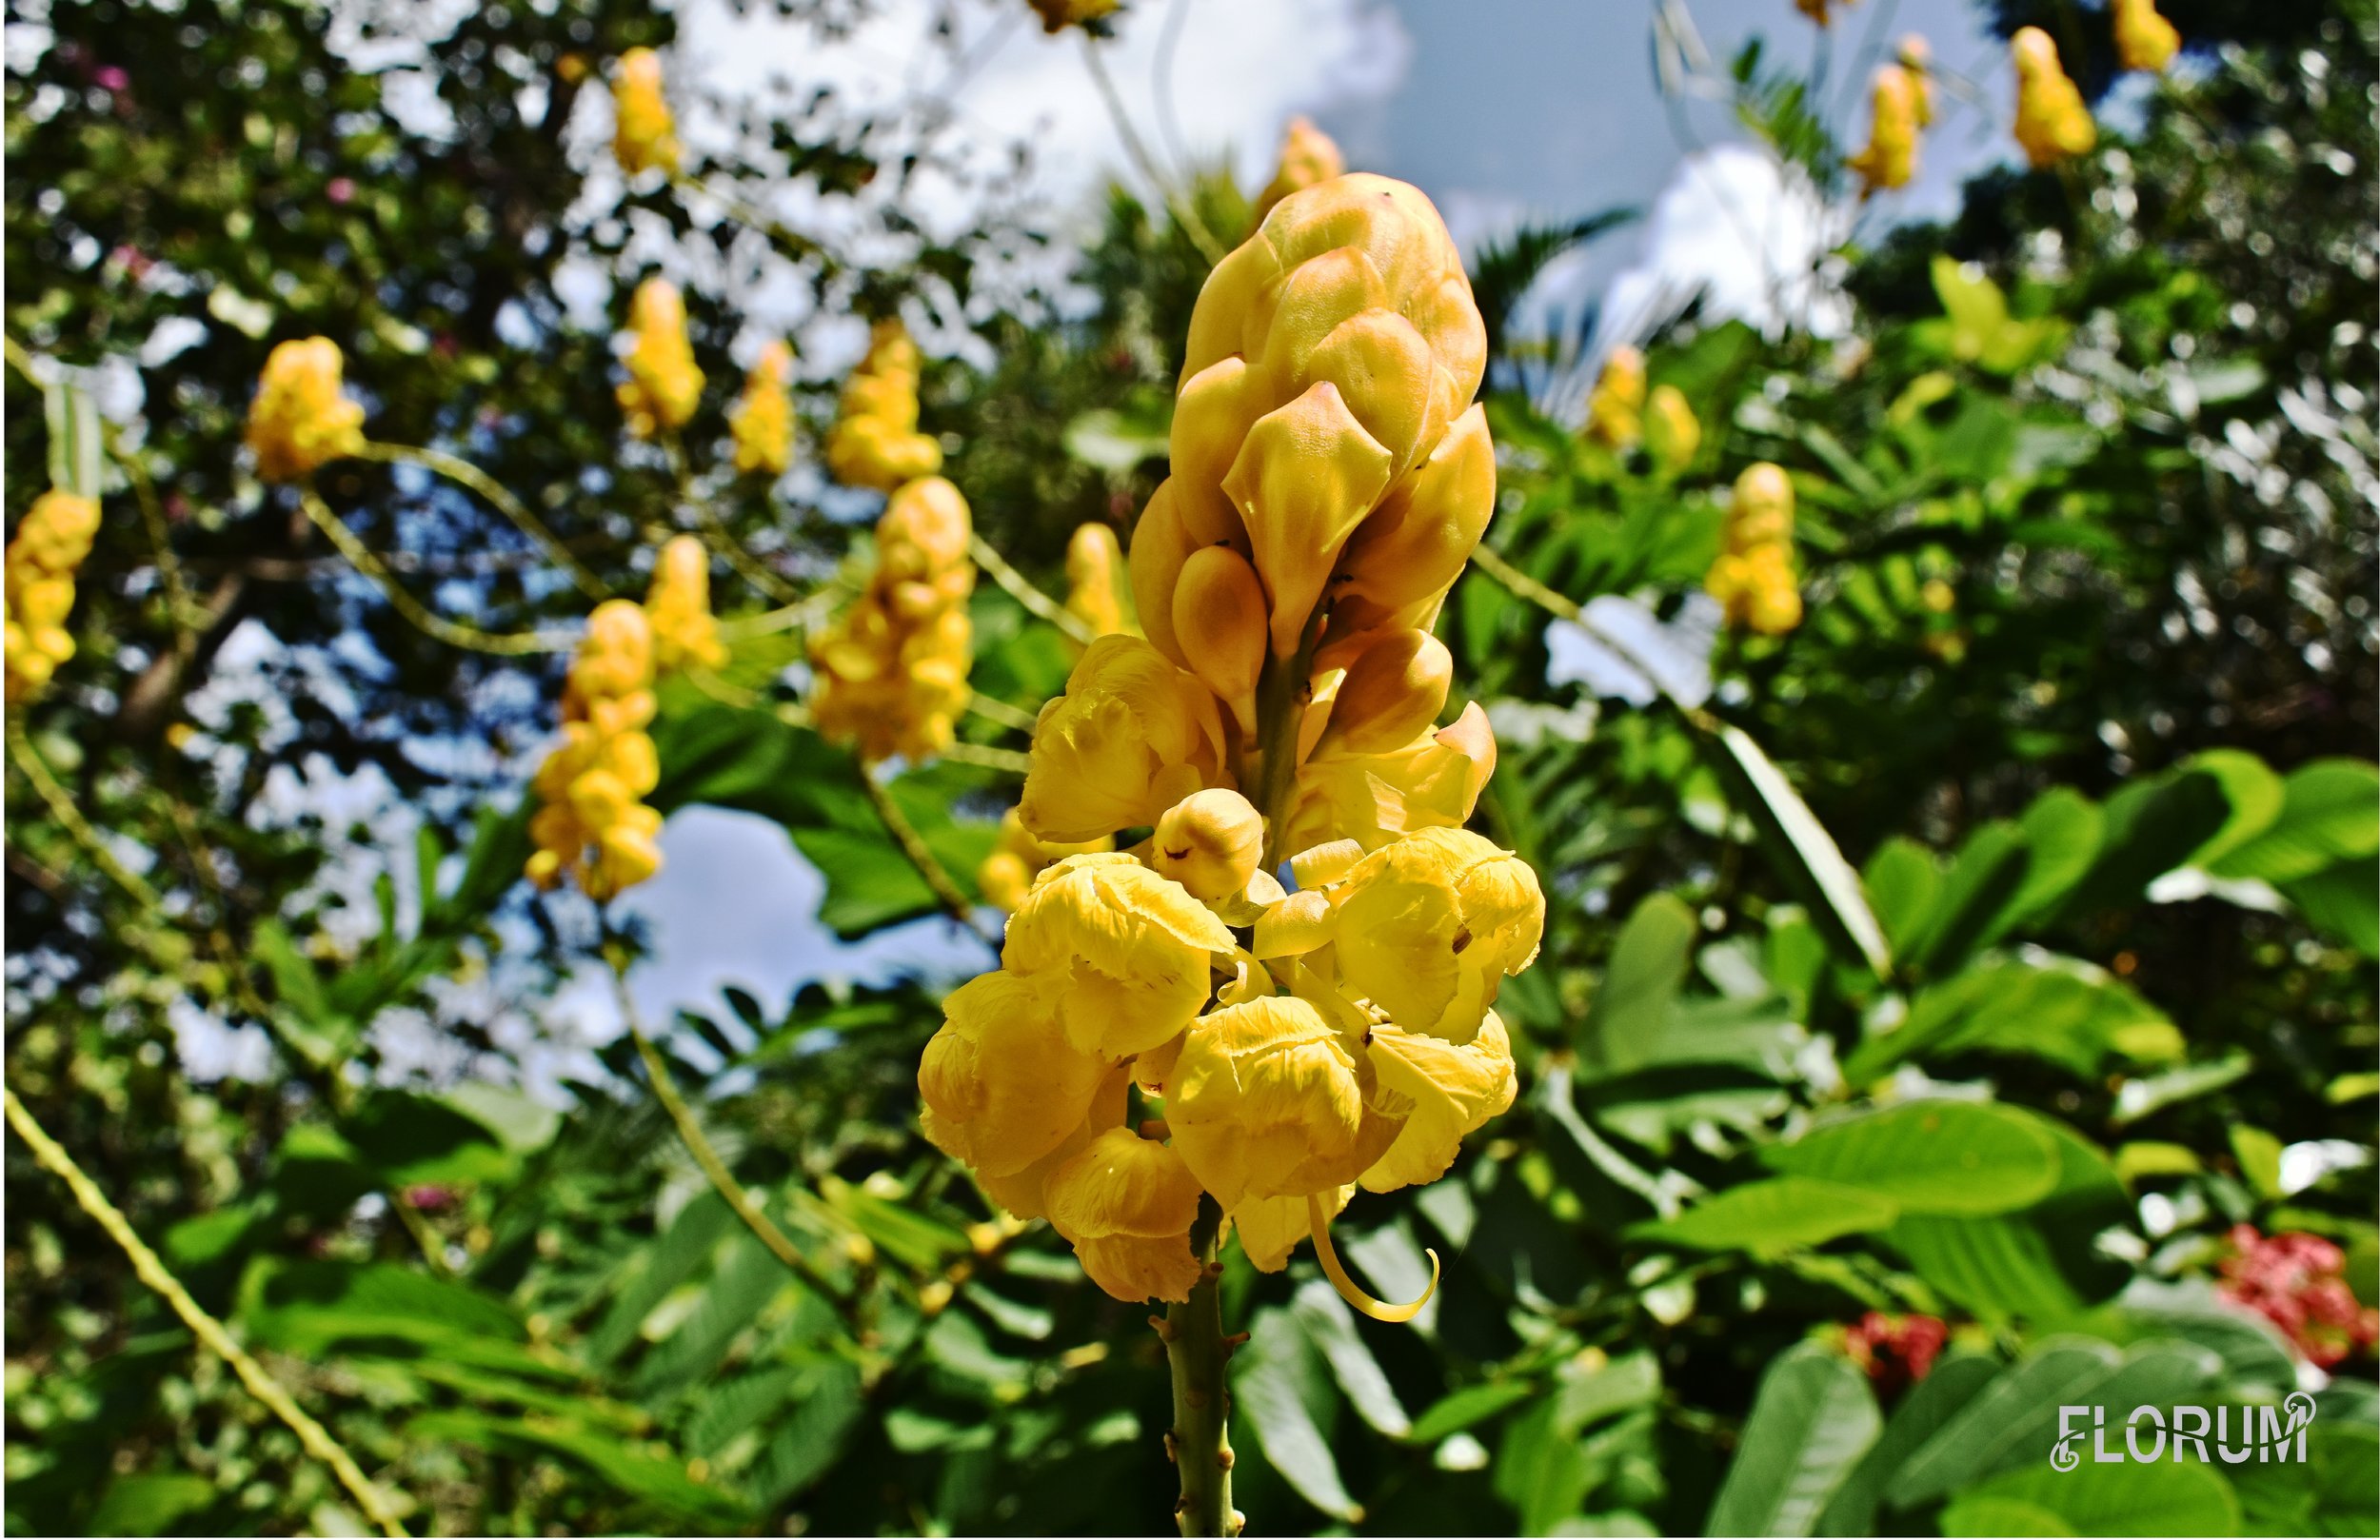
(109, 77)
(340, 189)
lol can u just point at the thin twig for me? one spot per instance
(311, 1434)
(989, 758)
(453, 633)
(699, 1145)
(1488, 560)
(61, 806)
(991, 708)
(464, 473)
(1021, 590)
(913, 845)
(1185, 215)
(178, 607)
(798, 616)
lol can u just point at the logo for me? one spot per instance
(2265, 1432)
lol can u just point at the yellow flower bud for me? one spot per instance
(51, 541)
(2052, 125)
(1267, 1100)
(1161, 546)
(1132, 736)
(1916, 57)
(645, 136)
(1004, 1084)
(1890, 157)
(1615, 407)
(1133, 949)
(1430, 926)
(1307, 156)
(678, 607)
(1762, 513)
(1210, 843)
(2144, 40)
(663, 385)
(875, 441)
(1128, 1204)
(1306, 476)
(892, 673)
(1393, 692)
(1400, 563)
(1096, 581)
(1432, 782)
(1671, 434)
(592, 824)
(1219, 625)
(299, 420)
(762, 418)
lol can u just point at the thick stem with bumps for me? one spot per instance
(1199, 1441)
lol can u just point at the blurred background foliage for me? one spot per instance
(1945, 1010)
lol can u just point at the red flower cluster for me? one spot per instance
(2298, 1282)
(1895, 1350)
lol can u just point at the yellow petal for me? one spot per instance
(1001, 1077)
(1305, 478)
(1263, 1091)
(1121, 1184)
(1453, 1090)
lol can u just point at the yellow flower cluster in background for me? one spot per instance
(52, 541)
(1330, 479)
(1057, 15)
(1096, 593)
(1615, 407)
(1307, 156)
(875, 442)
(592, 823)
(1754, 578)
(645, 136)
(1890, 157)
(2144, 40)
(1006, 875)
(678, 608)
(2052, 125)
(300, 421)
(762, 418)
(1672, 432)
(1916, 55)
(892, 673)
(663, 385)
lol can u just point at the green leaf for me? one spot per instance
(1630, 1012)
(1772, 1216)
(2152, 826)
(2343, 899)
(1115, 442)
(2041, 1263)
(728, 1408)
(1956, 1378)
(1812, 1419)
(1982, 1517)
(151, 1502)
(2259, 1157)
(659, 1268)
(2057, 1009)
(1544, 1473)
(1936, 1156)
(410, 1138)
(2136, 1099)
(812, 1439)
(1466, 1408)
(1274, 1378)
(2121, 1498)
(2255, 795)
(1331, 1327)
(1902, 880)
(1977, 895)
(633, 1471)
(2329, 810)
(300, 1306)
(2013, 1418)
(2335, 1491)
(2063, 830)
(73, 425)
(1815, 856)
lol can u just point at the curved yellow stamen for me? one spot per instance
(1320, 1218)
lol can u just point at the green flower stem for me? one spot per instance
(453, 633)
(1199, 1441)
(311, 1434)
(1021, 590)
(463, 473)
(913, 846)
(1490, 561)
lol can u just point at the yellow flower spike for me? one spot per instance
(645, 136)
(1394, 690)
(1429, 926)
(1219, 625)
(1454, 1089)
(1615, 407)
(1133, 951)
(763, 417)
(1268, 1100)
(299, 420)
(663, 385)
(1132, 736)
(1096, 584)
(1672, 433)
(679, 607)
(1128, 1203)
(1348, 1288)
(51, 541)
(1890, 157)
(1306, 476)
(1210, 843)
(1004, 1084)
(875, 441)
(892, 673)
(1916, 57)
(1407, 555)
(1307, 156)
(2144, 40)
(592, 824)
(2052, 125)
